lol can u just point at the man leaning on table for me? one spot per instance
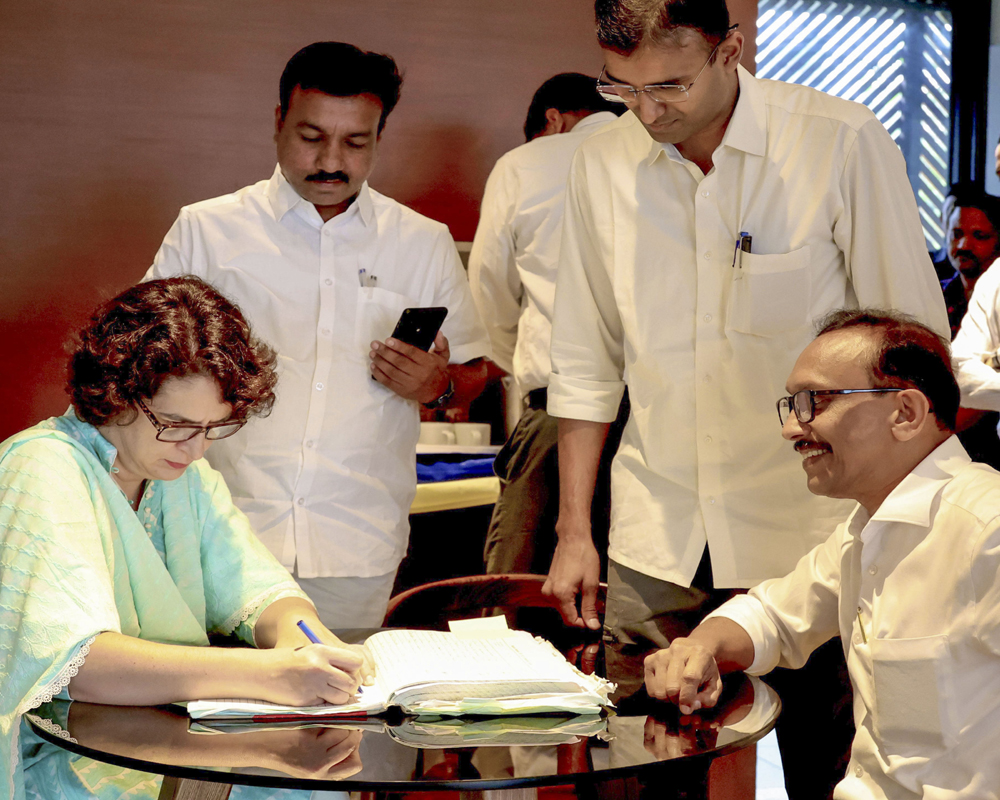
(323, 266)
(660, 289)
(910, 581)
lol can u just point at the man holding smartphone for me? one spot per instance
(324, 266)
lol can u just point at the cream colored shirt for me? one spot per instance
(327, 479)
(648, 295)
(978, 341)
(512, 266)
(914, 593)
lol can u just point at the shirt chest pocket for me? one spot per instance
(770, 294)
(378, 311)
(914, 693)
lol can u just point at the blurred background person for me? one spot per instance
(512, 272)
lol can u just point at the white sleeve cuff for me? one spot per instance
(748, 612)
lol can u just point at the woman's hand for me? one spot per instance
(310, 675)
(316, 753)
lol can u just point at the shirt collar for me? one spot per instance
(747, 129)
(911, 501)
(284, 198)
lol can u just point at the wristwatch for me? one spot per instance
(444, 398)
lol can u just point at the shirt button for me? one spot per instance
(708, 318)
(319, 387)
(858, 771)
(708, 254)
(872, 570)
(309, 443)
(301, 501)
(325, 331)
(705, 194)
(707, 379)
(857, 640)
(708, 439)
(328, 281)
(711, 501)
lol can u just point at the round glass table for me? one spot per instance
(642, 741)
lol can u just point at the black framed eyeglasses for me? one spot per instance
(803, 402)
(660, 92)
(169, 432)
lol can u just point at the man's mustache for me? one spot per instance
(329, 176)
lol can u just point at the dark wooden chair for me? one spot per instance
(433, 604)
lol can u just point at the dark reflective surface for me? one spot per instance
(642, 737)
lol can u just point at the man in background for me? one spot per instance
(323, 266)
(704, 232)
(871, 411)
(512, 271)
(972, 244)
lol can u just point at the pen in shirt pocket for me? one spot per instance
(743, 245)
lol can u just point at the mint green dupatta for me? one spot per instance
(76, 561)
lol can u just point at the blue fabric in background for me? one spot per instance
(451, 471)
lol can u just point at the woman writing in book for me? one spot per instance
(121, 549)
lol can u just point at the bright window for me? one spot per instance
(895, 57)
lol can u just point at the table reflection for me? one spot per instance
(398, 753)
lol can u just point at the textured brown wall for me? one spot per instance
(117, 112)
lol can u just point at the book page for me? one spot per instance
(520, 663)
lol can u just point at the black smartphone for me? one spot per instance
(419, 326)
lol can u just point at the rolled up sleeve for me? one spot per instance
(587, 335)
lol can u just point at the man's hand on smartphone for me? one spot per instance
(409, 371)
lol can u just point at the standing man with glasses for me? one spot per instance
(324, 265)
(704, 233)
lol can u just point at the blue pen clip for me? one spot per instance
(743, 245)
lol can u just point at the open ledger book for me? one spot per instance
(445, 674)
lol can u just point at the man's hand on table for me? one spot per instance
(409, 371)
(684, 673)
(688, 671)
(576, 569)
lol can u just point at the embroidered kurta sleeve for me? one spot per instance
(56, 593)
(241, 576)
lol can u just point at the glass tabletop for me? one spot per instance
(639, 736)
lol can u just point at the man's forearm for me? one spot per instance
(580, 445)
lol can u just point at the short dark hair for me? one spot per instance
(162, 329)
(341, 70)
(905, 354)
(623, 25)
(565, 92)
(967, 195)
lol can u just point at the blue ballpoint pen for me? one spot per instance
(315, 640)
(309, 634)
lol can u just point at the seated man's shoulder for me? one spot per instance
(975, 489)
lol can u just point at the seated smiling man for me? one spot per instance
(910, 581)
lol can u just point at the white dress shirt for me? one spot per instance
(512, 266)
(328, 478)
(914, 593)
(648, 295)
(977, 341)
